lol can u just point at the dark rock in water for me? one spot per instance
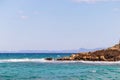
(49, 59)
(62, 59)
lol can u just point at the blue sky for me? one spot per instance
(58, 24)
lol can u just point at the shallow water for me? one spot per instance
(34, 67)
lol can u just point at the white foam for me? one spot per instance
(22, 60)
(101, 62)
(42, 60)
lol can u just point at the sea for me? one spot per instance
(33, 66)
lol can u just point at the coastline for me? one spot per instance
(43, 60)
(109, 54)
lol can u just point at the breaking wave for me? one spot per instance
(22, 60)
(42, 60)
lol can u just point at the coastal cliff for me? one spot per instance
(109, 54)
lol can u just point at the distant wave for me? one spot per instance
(42, 60)
(22, 60)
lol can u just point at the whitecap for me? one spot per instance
(42, 60)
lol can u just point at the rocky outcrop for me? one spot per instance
(110, 54)
(49, 59)
(115, 47)
(101, 55)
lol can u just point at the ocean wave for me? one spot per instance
(42, 60)
(22, 60)
(92, 62)
(101, 62)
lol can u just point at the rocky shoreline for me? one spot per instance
(110, 54)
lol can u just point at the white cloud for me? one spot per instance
(24, 17)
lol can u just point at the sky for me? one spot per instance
(58, 24)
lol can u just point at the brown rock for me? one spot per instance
(110, 54)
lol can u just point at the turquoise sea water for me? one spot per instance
(34, 67)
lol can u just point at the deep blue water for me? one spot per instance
(34, 67)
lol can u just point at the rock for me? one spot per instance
(102, 58)
(115, 47)
(64, 59)
(110, 54)
(49, 59)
